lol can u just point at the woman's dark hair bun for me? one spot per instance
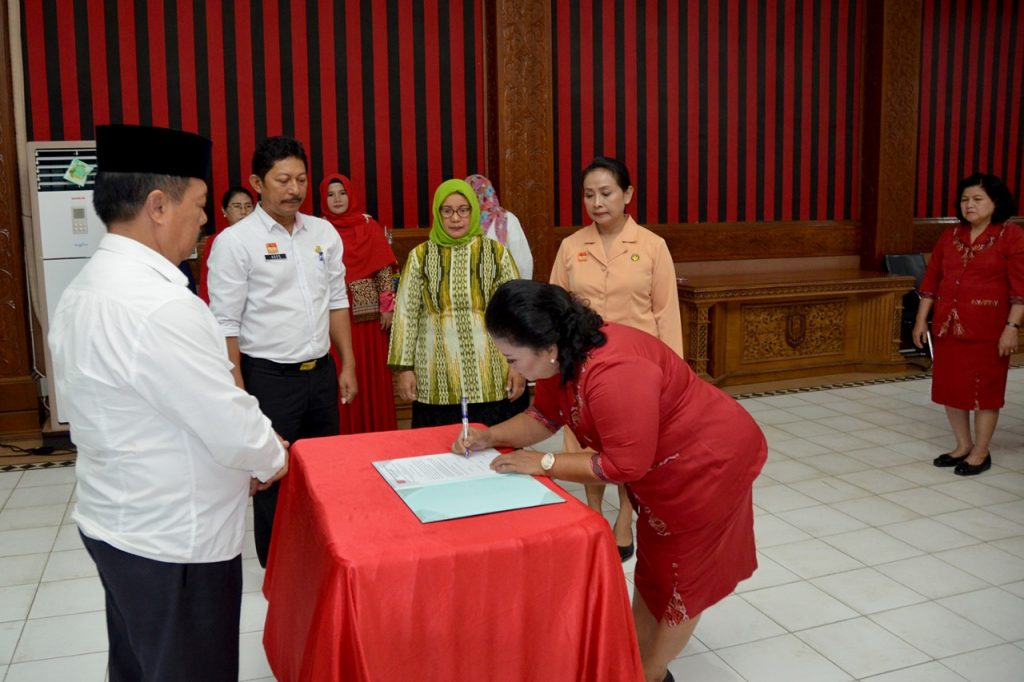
(538, 316)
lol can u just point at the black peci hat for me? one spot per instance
(145, 149)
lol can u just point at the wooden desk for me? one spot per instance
(785, 325)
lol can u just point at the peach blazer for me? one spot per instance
(634, 284)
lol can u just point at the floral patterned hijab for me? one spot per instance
(491, 212)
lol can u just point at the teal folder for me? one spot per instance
(469, 496)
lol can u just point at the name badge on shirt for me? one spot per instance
(272, 252)
(581, 256)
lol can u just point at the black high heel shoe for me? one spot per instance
(948, 460)
(965, 469)
(669, 677)
(626, 553)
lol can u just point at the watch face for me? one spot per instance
(547, 461)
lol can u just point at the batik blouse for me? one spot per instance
(438, 328)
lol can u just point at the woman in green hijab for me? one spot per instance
(439, 344)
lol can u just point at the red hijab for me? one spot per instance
(366, 248)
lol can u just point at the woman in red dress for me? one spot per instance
(975, 284)
(687, 453)
(370, 267)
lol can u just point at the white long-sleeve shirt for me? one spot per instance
(274, 290)
(166, 442)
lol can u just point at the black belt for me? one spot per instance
(307, 366)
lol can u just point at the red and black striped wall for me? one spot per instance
(386, 91)
(972, 100)
(724, 110)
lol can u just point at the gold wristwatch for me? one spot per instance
(547, 461)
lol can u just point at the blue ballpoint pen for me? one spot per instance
(465, 422)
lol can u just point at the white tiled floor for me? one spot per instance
(873, 564)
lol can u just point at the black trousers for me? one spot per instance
(300, 404)
(169, 622)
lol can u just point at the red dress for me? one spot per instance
(373, 408)
(369, 268)
(203, 287)
(688, 455)
(973, 287)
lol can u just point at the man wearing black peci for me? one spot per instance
(168, 446)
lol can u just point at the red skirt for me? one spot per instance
(374, 406)
(968, 375)
(680, 575)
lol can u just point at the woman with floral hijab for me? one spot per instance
(502, 225)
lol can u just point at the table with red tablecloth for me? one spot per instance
(360, 590)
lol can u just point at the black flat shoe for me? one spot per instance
(669, 677)
(626, 553)
(948, 460)
(965, 469)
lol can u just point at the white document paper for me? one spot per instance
(442, 467)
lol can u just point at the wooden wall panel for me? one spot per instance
(523, 100)
(889, 140)
(764, 240)
(19, 411)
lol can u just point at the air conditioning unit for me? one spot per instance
(65, 234)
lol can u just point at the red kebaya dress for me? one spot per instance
(687, 453)
(369, 268)
(203, 287)
(973, 287)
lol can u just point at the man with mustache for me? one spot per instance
(277, 289)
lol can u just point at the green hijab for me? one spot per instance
(437, 231)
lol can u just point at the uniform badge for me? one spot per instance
(635, 257)
(272, 252)
(582, 256)
(319, 252)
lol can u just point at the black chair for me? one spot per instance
(911, 264)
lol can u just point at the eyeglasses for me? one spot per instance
(240, 207)
(463, 211)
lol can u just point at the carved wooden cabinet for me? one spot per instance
(784, 325)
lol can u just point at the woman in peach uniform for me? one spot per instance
(624, 272)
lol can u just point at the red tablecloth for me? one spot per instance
(359, 589)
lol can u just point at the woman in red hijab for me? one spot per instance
(370, 267)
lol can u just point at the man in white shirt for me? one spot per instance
(277, 289)
(168, 446)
